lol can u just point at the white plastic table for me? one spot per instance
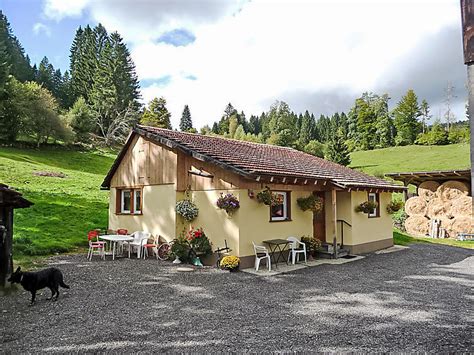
(114, 238)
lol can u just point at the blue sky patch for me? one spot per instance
(160, 82)
(177, 37)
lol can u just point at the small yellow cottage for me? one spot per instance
(157, 166)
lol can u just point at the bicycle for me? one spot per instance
(164, 250)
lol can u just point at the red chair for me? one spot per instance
(153, 245)
(95, 245)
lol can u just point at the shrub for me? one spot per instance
(180, 248)
(312, 244)
(399, 219)
(230, 262)
(366, 207)
(312, 202)
(187, 209)
(228, 202)
(394, 206)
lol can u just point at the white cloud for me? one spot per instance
(39, 28)
(59, 9)
(252, 53)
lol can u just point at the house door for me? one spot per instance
(319, 220)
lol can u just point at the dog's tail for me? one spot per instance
(63, 285)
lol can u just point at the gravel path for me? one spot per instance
(418, 299)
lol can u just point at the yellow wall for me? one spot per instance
(217, 225)
(158, 212)
(364, 229)
(255, 225)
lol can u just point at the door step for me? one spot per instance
(327, 252)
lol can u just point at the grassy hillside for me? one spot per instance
(412, 158)
(64, 208)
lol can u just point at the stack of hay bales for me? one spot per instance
(449, 203)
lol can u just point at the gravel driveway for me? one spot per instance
(418, 299)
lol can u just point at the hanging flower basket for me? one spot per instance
(269, 198)
(228, 202)
(311, 203)
(187, 209)
(366, 207)
(394, 206)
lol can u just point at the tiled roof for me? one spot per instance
(255, 159)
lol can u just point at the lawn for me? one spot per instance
(401, 238)
(64, 208)
(412, 158)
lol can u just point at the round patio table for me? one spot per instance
(114, 238)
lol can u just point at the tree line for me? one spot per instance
(96, 99)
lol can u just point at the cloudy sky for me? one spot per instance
(316, 55)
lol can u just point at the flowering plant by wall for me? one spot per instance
(394, 206)
(190, 244)
(269, 198)
(187, 209)
(366, 207)
(199, 242)
(228, 202)
(311, 203)
(230, 262)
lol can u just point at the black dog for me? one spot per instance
(34, 281)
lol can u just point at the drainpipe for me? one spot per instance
(467, 16)
(334, 222)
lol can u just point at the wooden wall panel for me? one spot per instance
(146, 163)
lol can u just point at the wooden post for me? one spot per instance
(467, 17)
(334, 221)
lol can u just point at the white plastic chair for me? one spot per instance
(261, 253)
(139, 238)
(295, 250)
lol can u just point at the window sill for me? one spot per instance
(128, 214)
(280, 220)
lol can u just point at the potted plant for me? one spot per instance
(187, 209)
(228, 202)
(312, 245)
(311, 203)
(191, 245)
(394, 206)
(269, 198)
(366, 207)
(230, 263)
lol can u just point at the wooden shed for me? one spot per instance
(9, 200)
(417, 177)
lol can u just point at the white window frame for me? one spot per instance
(122, 200)
(373, 197)
(137, 209)
(285, 207)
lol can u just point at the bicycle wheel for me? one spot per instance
(164, 251)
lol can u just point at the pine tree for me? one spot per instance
(157, 115)
(406, 119)
(337, 151)
(215, 128)
(254, 125)
(425, 114)
(307, 128)
(186, 122)
(84, 62)
(125, 77)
